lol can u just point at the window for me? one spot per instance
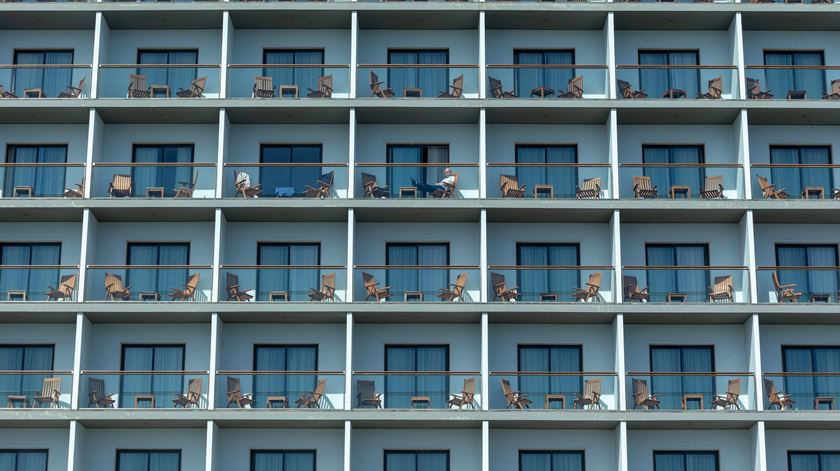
(693, 283)
(415, 154)
(557, 79)
(551, 461)
(151, 358)
(23, 460)
(813, 460)
(657, 80)
(670, 389)
(427, 280)
(23, 358)
(283, 460)
(803, 389)
(295, 282)
(417, 460)
(51, 81)
(275, 180)
(34, 282)
(665, 177)
(303, 77)
(175, 77)
(794, 179)
(431, 81)
(400, 388)
(148, 460)
(167, 178)
(284, 358)
(44, 181)
(685, 461)
(783, 80)
(550, 359)
(533, 282)
(563, 179)
(809, 282)
(155, 280)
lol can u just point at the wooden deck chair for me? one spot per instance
(234, 394)
(64, 292)
(376, 87)
(138, 86)
(628, 92)
(50, 392)
(497, 91)
(730, 399)
(715, 91)
(575, 88)
(457, 88)
(712, 188)
(196, 89)
(641, 396)
(591, 290)
(187, 293)
(643, 188)
(590, 189)
(372, 190)
(591, 395)
(312, 399)
(722, 290)
(325, 88)
(454, 291)
(754, 91)
(500, 289)
(263, 88)
(97, 396)
(509, 187)
(449, 189)
(186, 189)
(632, 291)
(836, 194)
(835, 91)
(74, 92)
(324, 188)
(120, 185)
(78, 192)
(327, 291)
(192, 397)
(785, 293)
(466, 398)
(513, 398)
(242, 184)
(776, 398)
(769, 191)
(373, 290)
(366, 395)
(232, 288)
(114, 288)
(6, 94)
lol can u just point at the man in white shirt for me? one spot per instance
(448, 179)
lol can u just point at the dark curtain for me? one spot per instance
(563, 179)
(157, 280)
(527, 79)
(781, 81)
(692, 282)
(23, 460)
(415, 154)
(303, 77)
(284, 358)
(24, 357)
(176, 78)
(167, 178)
(670, 389)
(551, 460)
(532, 282)
(400, 388)
(295, 282)
(35, 282)
(665, 177)
(550, 359)
(272, 178)
(416, 461)
(685, 461)
(804, 389)
(142, 460)
(427, 280)
(152, 358)
(808, 281)
(656, 81)
(44, 181)
(51, 81)
(431, 80)
(794, 179)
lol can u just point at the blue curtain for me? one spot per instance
(400, 388)
(284, 358)
(693, 283)
(176, 78)
(808, 281)
(153, 279)
(152, 358)
(34, 281)
(685, 461)
(23, 460)
(811, 360)
(656, 81)
(45, 181)
(24, 357)
(283, 461)
(551, 461)
(781, 81)
(804, 461)
(166, 177)
(416, 461)
(296, 282)
(51, 81)
(563, 179)
(429, 281)
(417, 154)
(527, 79)
(793, 179)
(553, 359)
(305, 77)
(829, 461)
(534, 282)
(272, 178)
(665, 177)
(149, 460)
(431, 80)
(670, 389)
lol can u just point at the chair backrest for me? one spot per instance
(776, 283)
(458, 86)
(365, 389)
(723, 284)
(192, 283)
(591, 387)
(51, 387)
(495, 87)
(194, 388)
(713, 183)
(631, 285)
(67, 284)
(734, 387)
(370, 282)
(327, 179)
(263, 82)
(498, 281)
(325, 85)
(121, 182)
(194, 180)
(234, 386)
(328, 282)
(716, 87)
(469, 387)
(640, 391)
(319, 390)
(374, 83)
(835, 87)
(138, 82)
(770, 388)
(591, 184)
(96, 388)
(460, 284)
(753, 87)
(454, 183)
(763, 183)
(241, 180)
(508, 182)
(595, 280)
(576, 86)
(197, 86)
(77, 93)
(368, 181)
(642, 182)
(624, 88)
(113, 283)
(506, 389)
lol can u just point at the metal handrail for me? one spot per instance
(243, 267)
(805, 374)
(540, 165)
(160, 66)
(705, 165)
(675, 66)
(154, 164)
(3, 267)
(36, 372)
(285, 164)
(419, 66)
(193, 267)
(44, 66)
(420, 373)
(401, 164)
(248, 372)
(431, 267)
(144, 372)
(547, 66)
(680, 267)
(679, 373)
(552, 373)
(288, 66)
(796, 165)
(42, 164)
(786, 67)
(550, 267)
(797, 267)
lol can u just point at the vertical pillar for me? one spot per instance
(485, 362)
(620, 370)
(224, 136)
(482, 153)
(348, 440)
(759, 446)
(351, 156)
(210, 450)
(736, 34)
(216, 325)
(86, 255)
(351, 229)
(218, 253)
(354, 46)
(227, 49)
(485, 445)
(348, 363)
(748, 232)
(742, 138)
(621, 448)
(76, 448)
(482, 256)
(83, 327)
(101, 36)
(751, 330)
(94, 145)
(612, 139)
(618, 282)
(482, 56)
(611, 72)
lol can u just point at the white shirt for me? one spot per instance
(450, 180)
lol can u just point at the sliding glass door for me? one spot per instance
(34, 282)
(665, 177)
(429, 281)
(783, 80)
(670, 389)
(151, 358)
(431, 80)
(284, 358)
(166, 177)
(23, 358)
(275, 180)
(157, 280)
(803, 389)
(176, 78)
(295, 282)
(303, 77)
(550, 359)
(405, 155)
(400, 388)
(808, 281)
(562, 179)
(52, 81)
(44, 181)
(533, 282)
(526, 79)
(795, 179)
(656, 81)
(694, 283)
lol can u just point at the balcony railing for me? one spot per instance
(796, 181)
(551, 283)
(280, 389)
(41, 180)
(793, 82)
(548, 180)
(416, 390)
(45, 81)
(143, 389)
(690, 391)
(154, 180)
(790, 284)
(415, 180)
(38, 282)
(677, 81)
(35, 389)
(288, 81)
(283, 283)
(676, 1)
(681, 181)
(159, 81)
(686, 284)
(150, 283)
(546, 81)
(801, 391)
(285, 180)
(417, 283)
(552, 390)
(417, 81)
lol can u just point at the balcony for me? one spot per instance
(155, 283)
(690, 391)
(801, 391)
(417, 283)
(796, 181)
(793, 82)
(673, 82)
(288, 81)
(681, 181)
(551, 283)
(159, 81)
(21, 283)
(35, 389)
(285, 180)
(686, 284)
(42, 180)
(553, 391)
(547, 81)
(413, 180)
(280, 389)
(154, 180)
(143, 389)
(283, 283)
(548, 180)
(417, 81)
(45, 81)
(791, 284)
(416, 390)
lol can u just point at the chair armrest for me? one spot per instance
(792, 285)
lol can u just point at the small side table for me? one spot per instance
(413, 296)
(16, 295)
(148, 296)
(408, 192)
(33, 93)
(417, 401)
(22, 191)
(827, 400)
(140, 398)
(820, 298)
(159, 91)
(284, 191)
(280, 400)
(548, 297)
(680, 190)
(687, 398)
(817, 191)
(674, 93)
(287, 91)
(275, 296)
(552, 398)
(11, 400)
(797, 95)
(413, 92)
(544, 191)
(676, 297)
(542, 91)
(154, 192)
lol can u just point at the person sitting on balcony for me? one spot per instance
(440, 187)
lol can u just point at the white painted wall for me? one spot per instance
(779, 442)
(774, 337)
(56, 440)
(235, 445)
(598, 445)
(733, 446)
(101, 445)
(369, 445)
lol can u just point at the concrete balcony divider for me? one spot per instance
(551, 180)
(686, 284)
(283, 283)
(416, 390)
(550, 283)
(143, 389)
(288, 81)
(417, 283)
(412, 81)
(677, 82)
(144, 81)
(690, 391)
(38, 81)
(149, 283)
(684, 181)
(280, 389)
(154, 180)
(21, 389)
(29, 283)
(285, 180)
(521, 390)
(547, 81)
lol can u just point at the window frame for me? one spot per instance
(16, 451)
(819, 454)
(148, 451)
(255, 451)
(415, 453)
(581, 453)
(11, 151)
(685, 453)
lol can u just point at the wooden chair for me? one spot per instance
(730, 400)
(722, 290)
(312, 399)
(591, 290)
(50, 392)
(372, 288)
(457, 88)
(500, 289)
(114, 288)
(324, 188)
(643, 188)
(754, 90)
(632, 291)
(785, 293)
(192, 397)
(234, 394)
(590, 189)
(263, 87)
(138, 87)
(232, 287)
(509, 186)
(591, 395)
(120, 185)
(366, 395)
(376, 87)
(372, 190)
(196, 89)
(715, 91)
(836, 194)
(835, 91)
(467, 396)
(327, 291)
(187, 293)
(455, 291)
(6, 94)
(513, 398)
(74, 92)
(712, 188)
(575, 88)
(242, 183)
(769, 191)
(325, 88)
(78, 192)
(628, 92)
(496, 90)
(641, 396)
(96, 394)
(65, 289)
(779, 399)
(186, 189)
(449, 189)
